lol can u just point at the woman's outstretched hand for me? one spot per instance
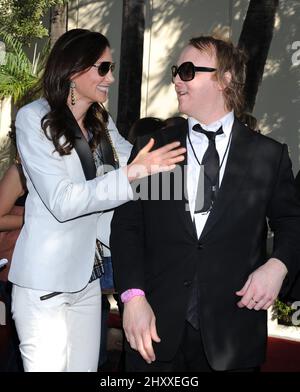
(149, 162)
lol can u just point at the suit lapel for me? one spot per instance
(239, 158)
(82, 147)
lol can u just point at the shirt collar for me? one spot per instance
(226, 122)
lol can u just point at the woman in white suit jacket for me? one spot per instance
(61, 138)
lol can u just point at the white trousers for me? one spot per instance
(60, 334)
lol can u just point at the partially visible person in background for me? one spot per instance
(174, 121)
(144, 126)
(13, 194)
(12, 200)
(149, 125)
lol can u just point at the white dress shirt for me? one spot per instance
(200, 144)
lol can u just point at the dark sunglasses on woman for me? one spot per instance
(104, 67)
(187, 70)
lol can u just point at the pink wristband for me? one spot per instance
(128, 294)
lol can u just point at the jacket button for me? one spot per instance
(187, 283)
(200, 246)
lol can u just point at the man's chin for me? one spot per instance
(184, 110)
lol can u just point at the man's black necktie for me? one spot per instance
(211, 162)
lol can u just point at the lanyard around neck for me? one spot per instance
(226, 150)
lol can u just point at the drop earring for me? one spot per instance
(73, 97)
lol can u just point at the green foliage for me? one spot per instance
(23, 19)
(18, 74)
(282, 311)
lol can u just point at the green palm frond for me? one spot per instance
(41, 57)
(19, 75)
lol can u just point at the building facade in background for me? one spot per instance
(170, 24)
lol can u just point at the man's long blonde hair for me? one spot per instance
(232, 60)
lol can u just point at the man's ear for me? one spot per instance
(225, 80)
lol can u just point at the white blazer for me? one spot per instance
(123, 149)
(56, 247)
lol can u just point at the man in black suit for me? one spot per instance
(193, 276)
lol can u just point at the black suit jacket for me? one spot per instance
(294, 293)
(155, 248)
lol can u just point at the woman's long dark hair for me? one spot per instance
(75, 51)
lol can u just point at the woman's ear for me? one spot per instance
(73, 77)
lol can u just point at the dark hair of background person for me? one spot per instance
(148, 125)
(144, 126)
(74, 52)
(174, 121)
(229, 59)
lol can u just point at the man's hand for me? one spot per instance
(140, 328)
(263, 285)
